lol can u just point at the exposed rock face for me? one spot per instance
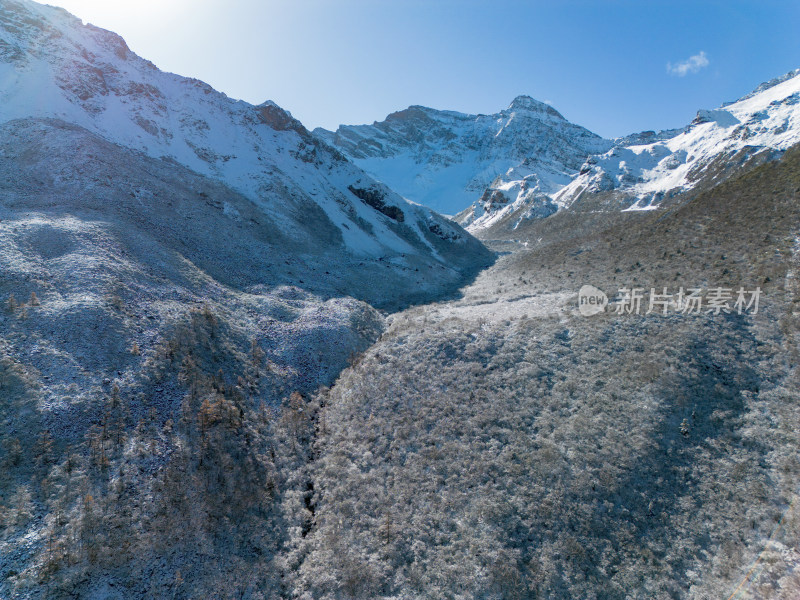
(375, 199)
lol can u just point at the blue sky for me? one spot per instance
(602, 63)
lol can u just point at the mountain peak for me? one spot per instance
(446, 159)
(529, 104)
(523, 101)
(770, 84)
(411, 113)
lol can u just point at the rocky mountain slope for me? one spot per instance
(527, 161)
(508, 446)
(179, 273)
(53, 66)
(446, 159)
(200, 398)
(766, 120)
(644, 170)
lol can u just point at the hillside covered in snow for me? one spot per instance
(766, 120)
(237, 360)
(54, 67)
(527, 162)
(190, 268)
(643, 170)
(446, 159)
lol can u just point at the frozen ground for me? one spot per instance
(503, 445)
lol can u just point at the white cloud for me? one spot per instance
(691, 65)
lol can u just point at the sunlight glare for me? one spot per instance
(115, 13)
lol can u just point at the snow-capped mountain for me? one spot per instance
(53, 66)
(446, 159)
(643, 169)
(528, 161)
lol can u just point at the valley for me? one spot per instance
(505, 444)
(241, 359)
